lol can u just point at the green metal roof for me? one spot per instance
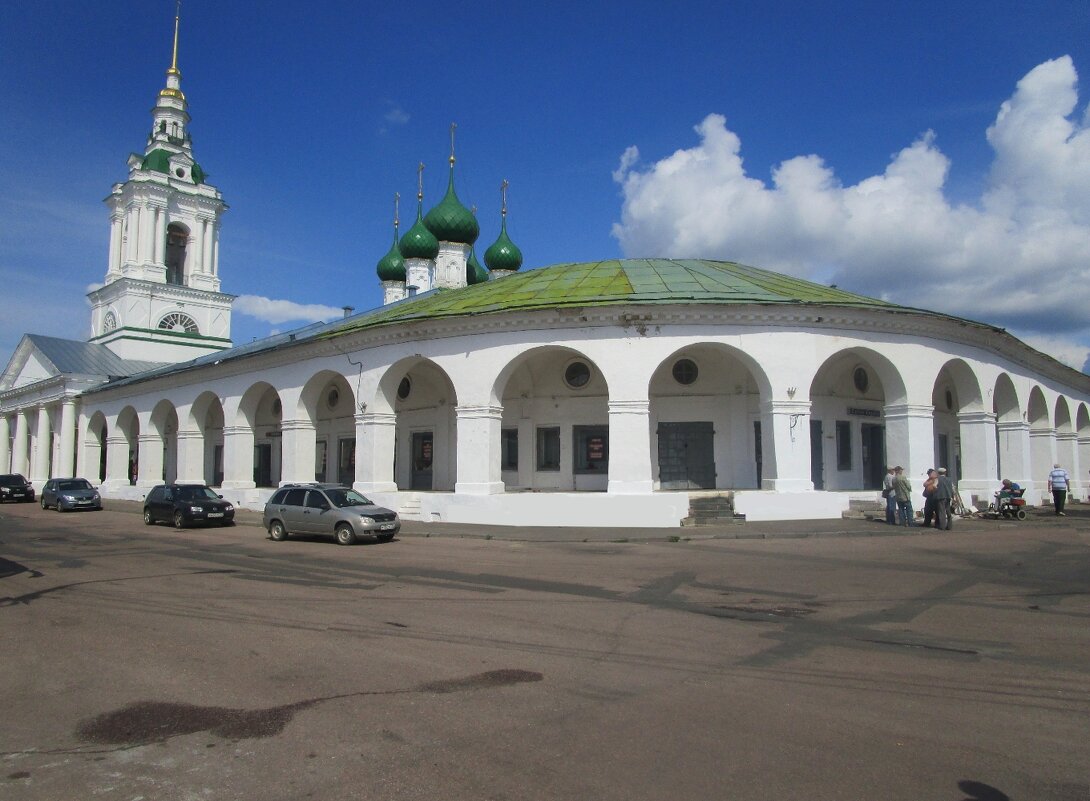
(503, 254)
(450, 221)
(158, 160)
(617, 281)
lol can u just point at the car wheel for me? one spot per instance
(147, 517)
(179, 520)
(345, 534)
(44, 505)
(277, 531)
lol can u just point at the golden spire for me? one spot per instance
(174, 57)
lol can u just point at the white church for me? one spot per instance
(617, 392)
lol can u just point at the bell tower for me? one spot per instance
(161, 300)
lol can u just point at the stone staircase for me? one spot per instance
(865, 509)
(712, 510)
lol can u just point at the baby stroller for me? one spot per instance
(1009, 504)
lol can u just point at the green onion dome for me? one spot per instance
(391, 267)
(503, 254)
(475, 273)
(418, 242)
(450, 221)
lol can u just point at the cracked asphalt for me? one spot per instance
(835, 660)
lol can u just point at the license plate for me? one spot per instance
(18, 495)
(385, 526)
(215, 514)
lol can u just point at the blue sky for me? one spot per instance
(929, 153)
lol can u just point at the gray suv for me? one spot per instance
(327, 509)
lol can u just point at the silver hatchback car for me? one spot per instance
(329, 509)
(66, 494)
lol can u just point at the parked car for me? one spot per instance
(186, 504)
(15, 487)
(329, 509)
(66, 494)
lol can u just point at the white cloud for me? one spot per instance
(1018, 256)
(284, 311)
(396, 116)
(1062, 350)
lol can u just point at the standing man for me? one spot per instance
(1058, 484)
(944, 493)
(929, 505)
(891, 498)
(902, 491)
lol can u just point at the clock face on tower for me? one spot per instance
(109, 322)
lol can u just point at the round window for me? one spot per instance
(576, 375)
(861, 379)
(685, 371)
(404, 388)
(332, 398)
(180, 172)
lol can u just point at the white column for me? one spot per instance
(629, 447)
(86, 464)
(43, 447)
(375, 435)
(206, 238)
(238, 457)
(161, 238)
(297, 451)
(190, 456)
(910, 439)
(149, 460)
(1042, 453)
(478, 442)
(786, 465)
(1082, 446)
(19, 461)
(216, 248)
(979, 459)
(115, 244)
(66, 462)
(5, 444)
(1014, 453)
(143, 231)
(117, 461)
(1067, 454)
(198, 247)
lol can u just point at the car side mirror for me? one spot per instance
(220, 497)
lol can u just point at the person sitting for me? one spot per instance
(1006, 492)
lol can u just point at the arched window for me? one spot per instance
(109, 322)
(182, 323)
(177, 236)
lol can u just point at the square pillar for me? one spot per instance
(910, 439)
(979, 456)
(478, 443)
(190, 466)
(66, 462)
(297, 451)
(5, 444)
(375, 435)
(630, 447)
(238, 457)
(786, 465)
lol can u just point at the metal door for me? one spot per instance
(817, 455)
(686, 456)
(422, 457)
(874, 455)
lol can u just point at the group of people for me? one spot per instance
(938, 492)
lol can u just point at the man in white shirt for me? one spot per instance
(1058, 484)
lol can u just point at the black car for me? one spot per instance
(186, 504)
(66, 494)
(15, 487)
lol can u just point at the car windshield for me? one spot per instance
(75, 484)
(14, 480)
(346, 497)
(196, 494)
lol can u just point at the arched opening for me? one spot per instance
(848, 397)
(207, 418)
(263, 412)
(95, 446)
(177, 238)
(164, 425)
(955, 395)
(555, 425)
(425, 445)
(1041, 436)
(128, 429)
(705, 419)
(329, 403)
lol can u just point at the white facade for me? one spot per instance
(331, 409)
